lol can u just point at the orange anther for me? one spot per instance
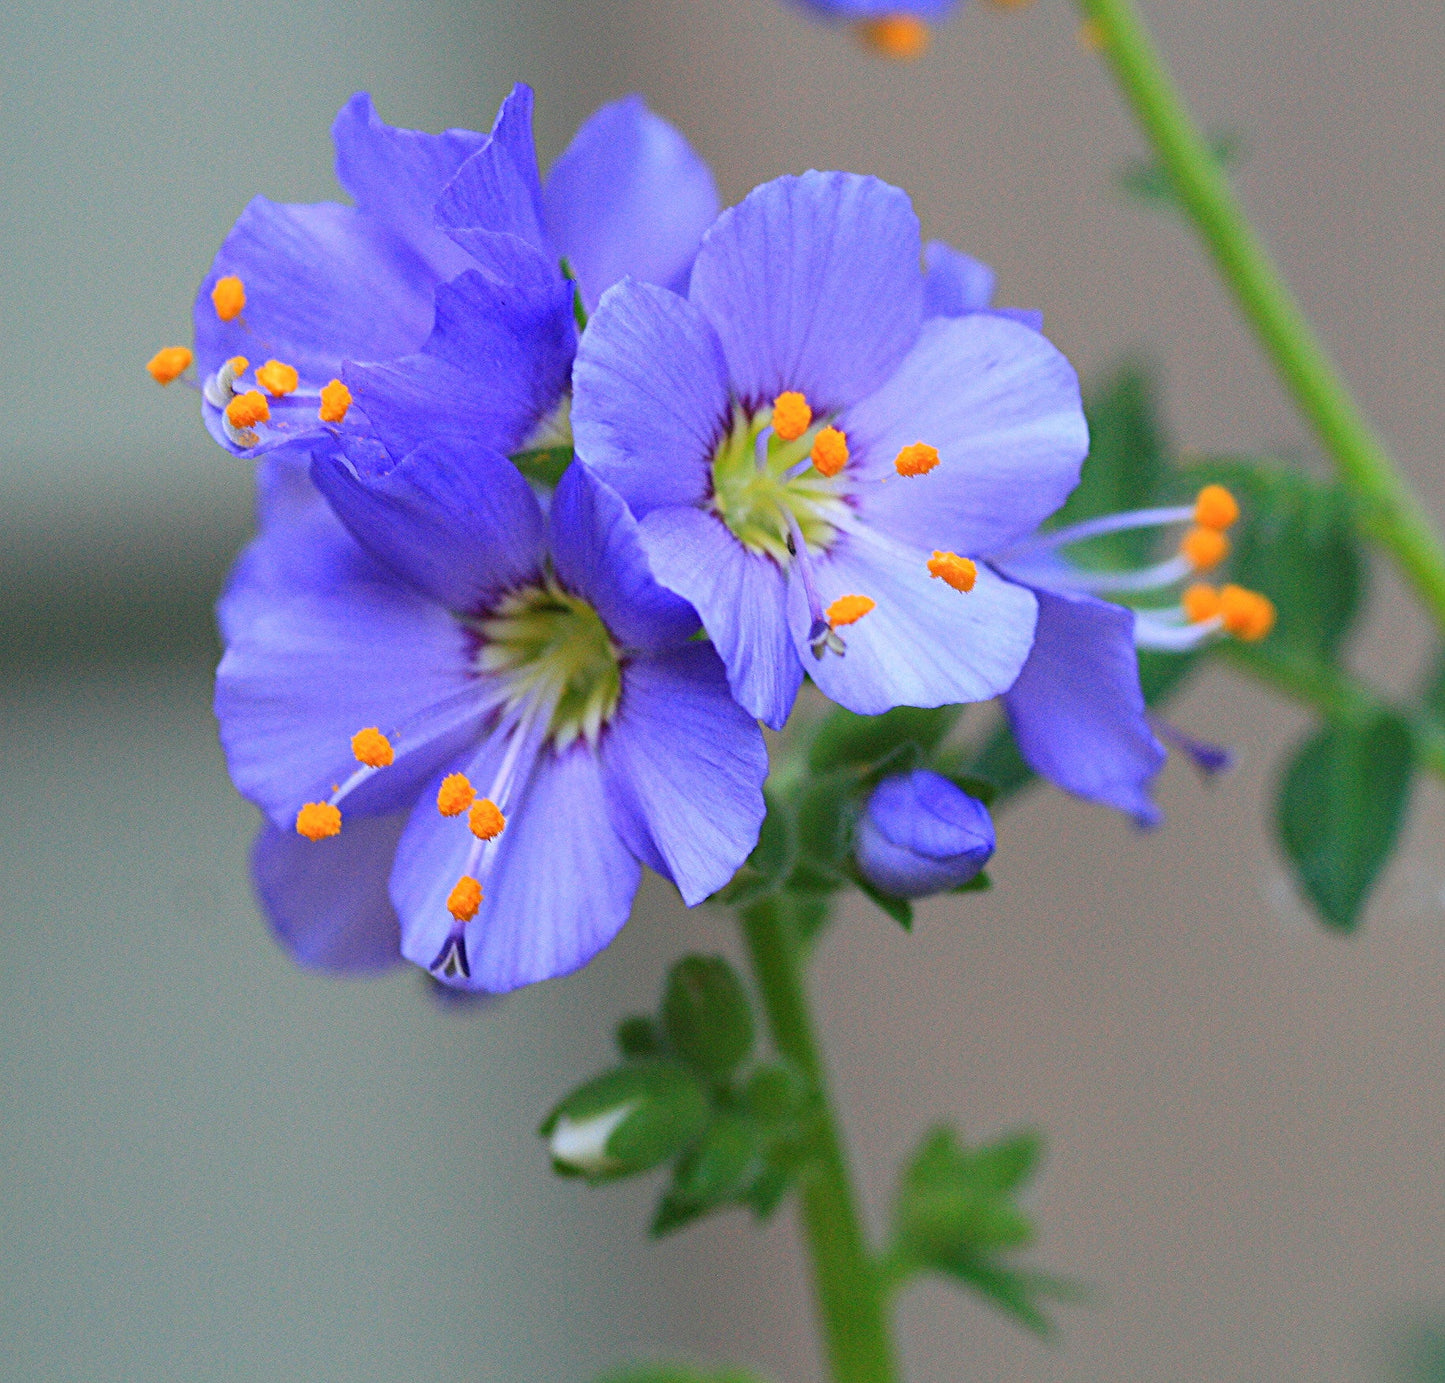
(486, 819)
(1215, 508)
(848, 609)
(896, 35)
(317, 820)
(792, 416)
(372, 748)
(1200, 603)
(830, 451)
(169, 363)
(335, 400)
(248, 409)
(958, 572)
(465, 898)
(455, 795)
(1204, 548)
(237, 364)
(918, 459)
(229, 297)
(277, 378)
(1247, 614)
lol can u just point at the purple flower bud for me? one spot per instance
(921, 834)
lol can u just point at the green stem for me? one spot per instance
(1391, 511)
(848, 1288)
(1337, 696)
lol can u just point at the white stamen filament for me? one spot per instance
(1171, 631)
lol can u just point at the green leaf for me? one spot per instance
(638, 1036)
(1125, 466)
(665, 1109)
(1147, 182)
(706, 1015)
(1296, 542)
(956, 1215)
(543, 465)
(1339, 811)
(846, 740)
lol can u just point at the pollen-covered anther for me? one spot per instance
(318, 820)
(335, 400)
(237, 365)
(896, 35)
(958, 572)
(792, 416)
(1248, 615)
(168, 364)
(228, 297)
(372, 748)
(1215, 508)
(1200, 602)
(277, 378)
(830, 451)
(848, 609)
(1204, 548)
(455, 795)
(917, 459)
(486, 819)
(248, 409)
(465, 898)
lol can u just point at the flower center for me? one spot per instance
(755, 495)
(550, 648)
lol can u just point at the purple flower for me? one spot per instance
(515, 682)
(921, 834)
(806, 453)
(1077, 709)
(436, 305)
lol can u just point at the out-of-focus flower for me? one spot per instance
(439, 296)
(517, 682)
(892, 28)
(807, 453)
(921, 834)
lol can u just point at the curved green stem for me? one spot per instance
(1391, 512)
(849, 1292)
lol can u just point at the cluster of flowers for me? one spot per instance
(470, 705)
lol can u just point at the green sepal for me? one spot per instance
(706, 1015)
(899, 909)
(669, 1110)
(774, 1093)
(638, 1036)
(543, 465)
(1341, 803)
(712, 1173)
(980, 883)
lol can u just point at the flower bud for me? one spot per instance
(705, 1012)
(580, 1145)
(921, 834)
(626, 1121)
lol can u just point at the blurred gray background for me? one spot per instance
(216, 1166)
